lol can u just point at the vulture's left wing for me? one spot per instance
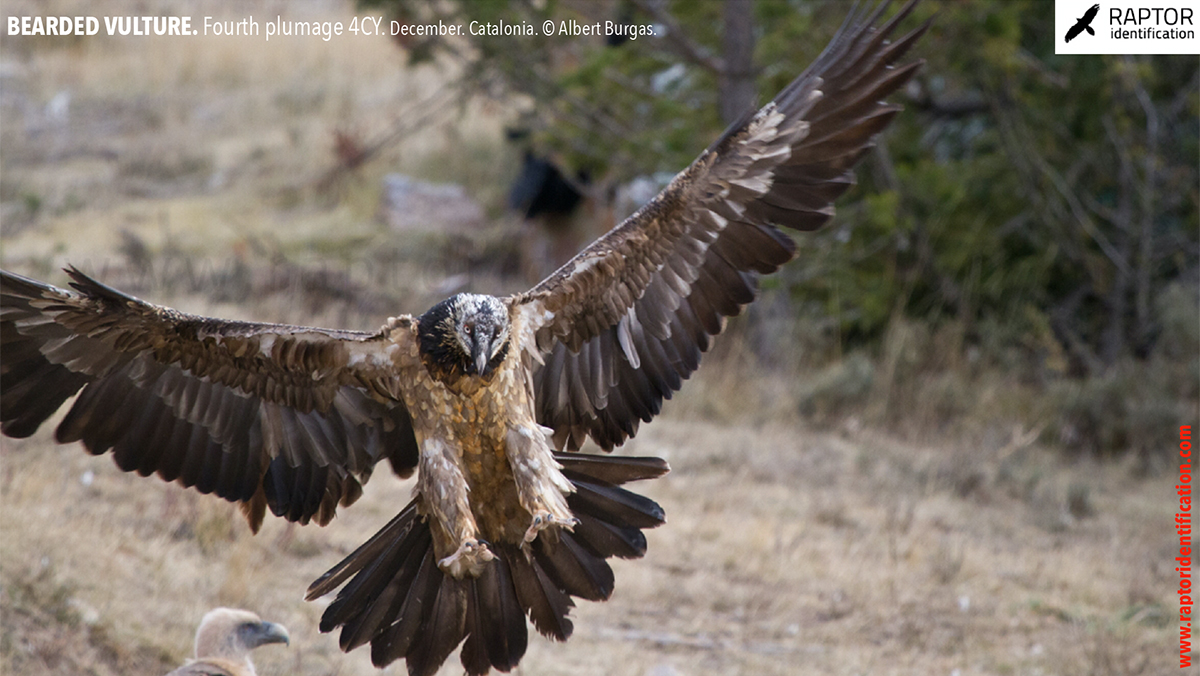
(623, 323)
(267, 415)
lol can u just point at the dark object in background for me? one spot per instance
(541, 188)
(553, 207)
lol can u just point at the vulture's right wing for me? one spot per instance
(267, 415)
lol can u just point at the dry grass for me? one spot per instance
(787, 551)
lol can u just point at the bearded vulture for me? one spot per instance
(488, 399)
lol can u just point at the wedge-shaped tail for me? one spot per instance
(399, 601)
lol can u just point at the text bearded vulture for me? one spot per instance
(486, 398)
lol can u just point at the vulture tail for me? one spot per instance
(397, 599)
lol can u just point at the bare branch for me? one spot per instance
(412, 120)
(1018, 146)
(1076, 207)
(1060, 321)
(1148, 190)
(962, 106)
(1112, 340)
(678, 40)
(1057, 79)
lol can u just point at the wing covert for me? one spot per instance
(267, 415)
(624, 322)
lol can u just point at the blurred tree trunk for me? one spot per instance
(1146, 243)
(737, 92)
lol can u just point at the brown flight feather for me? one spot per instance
(294, 419)
(239, 409)
(624, 322)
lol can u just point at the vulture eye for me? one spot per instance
(467, 329)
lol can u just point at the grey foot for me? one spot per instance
(544, 520)
(470, 558)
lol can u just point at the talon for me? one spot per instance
(468, 560)
(545, 520)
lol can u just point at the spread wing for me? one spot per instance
(623, 323)
(266, 415)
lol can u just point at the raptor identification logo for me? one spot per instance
(1126, 27)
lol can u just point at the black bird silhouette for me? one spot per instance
(1084, 23)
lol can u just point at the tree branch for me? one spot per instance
(1060, 321)
(1148, 189)
(953, 108)
(679, 42)
(1075, 206)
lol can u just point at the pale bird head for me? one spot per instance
(470, 331)
(228, 633)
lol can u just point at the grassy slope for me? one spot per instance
(785, 551)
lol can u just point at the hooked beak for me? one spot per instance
(481, 359)
(269, 632)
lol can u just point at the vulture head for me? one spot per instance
(224, 641)
(464, 335)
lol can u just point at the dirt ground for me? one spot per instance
(785, 552)
(190, 173)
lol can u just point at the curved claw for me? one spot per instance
(469, 559)
(544, 520)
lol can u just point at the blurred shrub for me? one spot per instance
(836, 390)
(1017, 245)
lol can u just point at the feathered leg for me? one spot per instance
(405, 606)
(541, 486)
(444, 498)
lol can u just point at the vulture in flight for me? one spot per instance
(487, 399)
(224, 641)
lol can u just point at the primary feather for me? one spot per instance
(621, 325)
(480, 394)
